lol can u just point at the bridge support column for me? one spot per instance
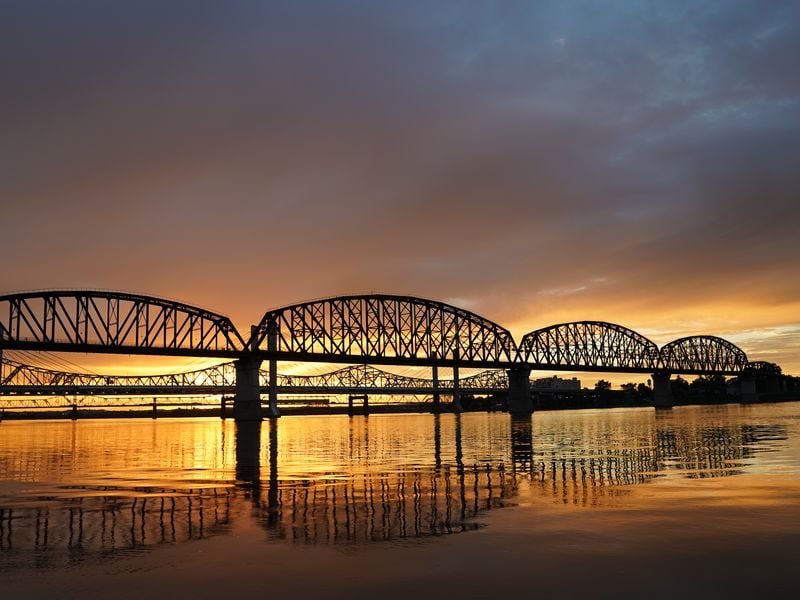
(747, 390)
(662, 390)
(520, 402)
(437, 407)
(247, 401)
(272, 346)
(457, 408)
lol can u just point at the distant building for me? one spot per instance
(557, 384)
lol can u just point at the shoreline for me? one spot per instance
(405, 408)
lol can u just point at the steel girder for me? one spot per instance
(762, 367)
(606, 347)
(383, 328)
(703, 355)
(590, 345)
(367, 376)
(115, 322)
(376, 329)
(16, 374)
(20, 379)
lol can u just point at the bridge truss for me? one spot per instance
(113, 322)
(360, 331)
(19, 379)
(383, 329)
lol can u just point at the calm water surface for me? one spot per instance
(697, 502)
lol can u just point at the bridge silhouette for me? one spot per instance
(362, 331)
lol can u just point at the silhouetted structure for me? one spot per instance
(369, 329)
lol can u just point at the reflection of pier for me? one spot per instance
(371, 501)
(369, 506)
(55, 534)
(584, 476)
(380, 506)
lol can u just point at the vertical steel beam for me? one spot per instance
(272, 346)
(457, 408)
(436, 395)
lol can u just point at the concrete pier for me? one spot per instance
(247, 401)
(520, 402)
(457, 408)
(351, 399)
(747, 390)
(662, 390)
(272, 411)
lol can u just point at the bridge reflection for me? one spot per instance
(53, 534)
(375, 501)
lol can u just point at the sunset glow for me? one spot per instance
(533, 165)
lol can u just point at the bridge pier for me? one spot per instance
(272, 346)
(456, 404)
(351, 398)
(457, 408)
(520, 402)
(662, 390)
(247, 401)
(747, 390)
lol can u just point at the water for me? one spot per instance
(697, 501)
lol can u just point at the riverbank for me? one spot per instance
(549, 403)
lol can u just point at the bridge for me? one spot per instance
(362, 331)
(20, 379)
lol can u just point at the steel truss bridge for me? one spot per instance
(20, 379)
(363, 331)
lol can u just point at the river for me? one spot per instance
(693, 502)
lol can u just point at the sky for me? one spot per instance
(534, 162)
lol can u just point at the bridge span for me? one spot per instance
(376, 329)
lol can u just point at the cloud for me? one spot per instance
(244, 155)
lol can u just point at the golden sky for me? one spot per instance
(533, 162)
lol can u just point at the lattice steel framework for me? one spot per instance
(16, 377)
(113, 322)
(762, 367)
(21, 379)
(590, 346)
(702, 355)
(368, 377)
(384, 329)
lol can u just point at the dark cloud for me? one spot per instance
(532, 160)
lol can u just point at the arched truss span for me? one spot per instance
(15, 376)
(589, 345)
(18, 378)
(702, 355)
(762, 367)
(367, 377)
(383, 329)
(118, 322)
